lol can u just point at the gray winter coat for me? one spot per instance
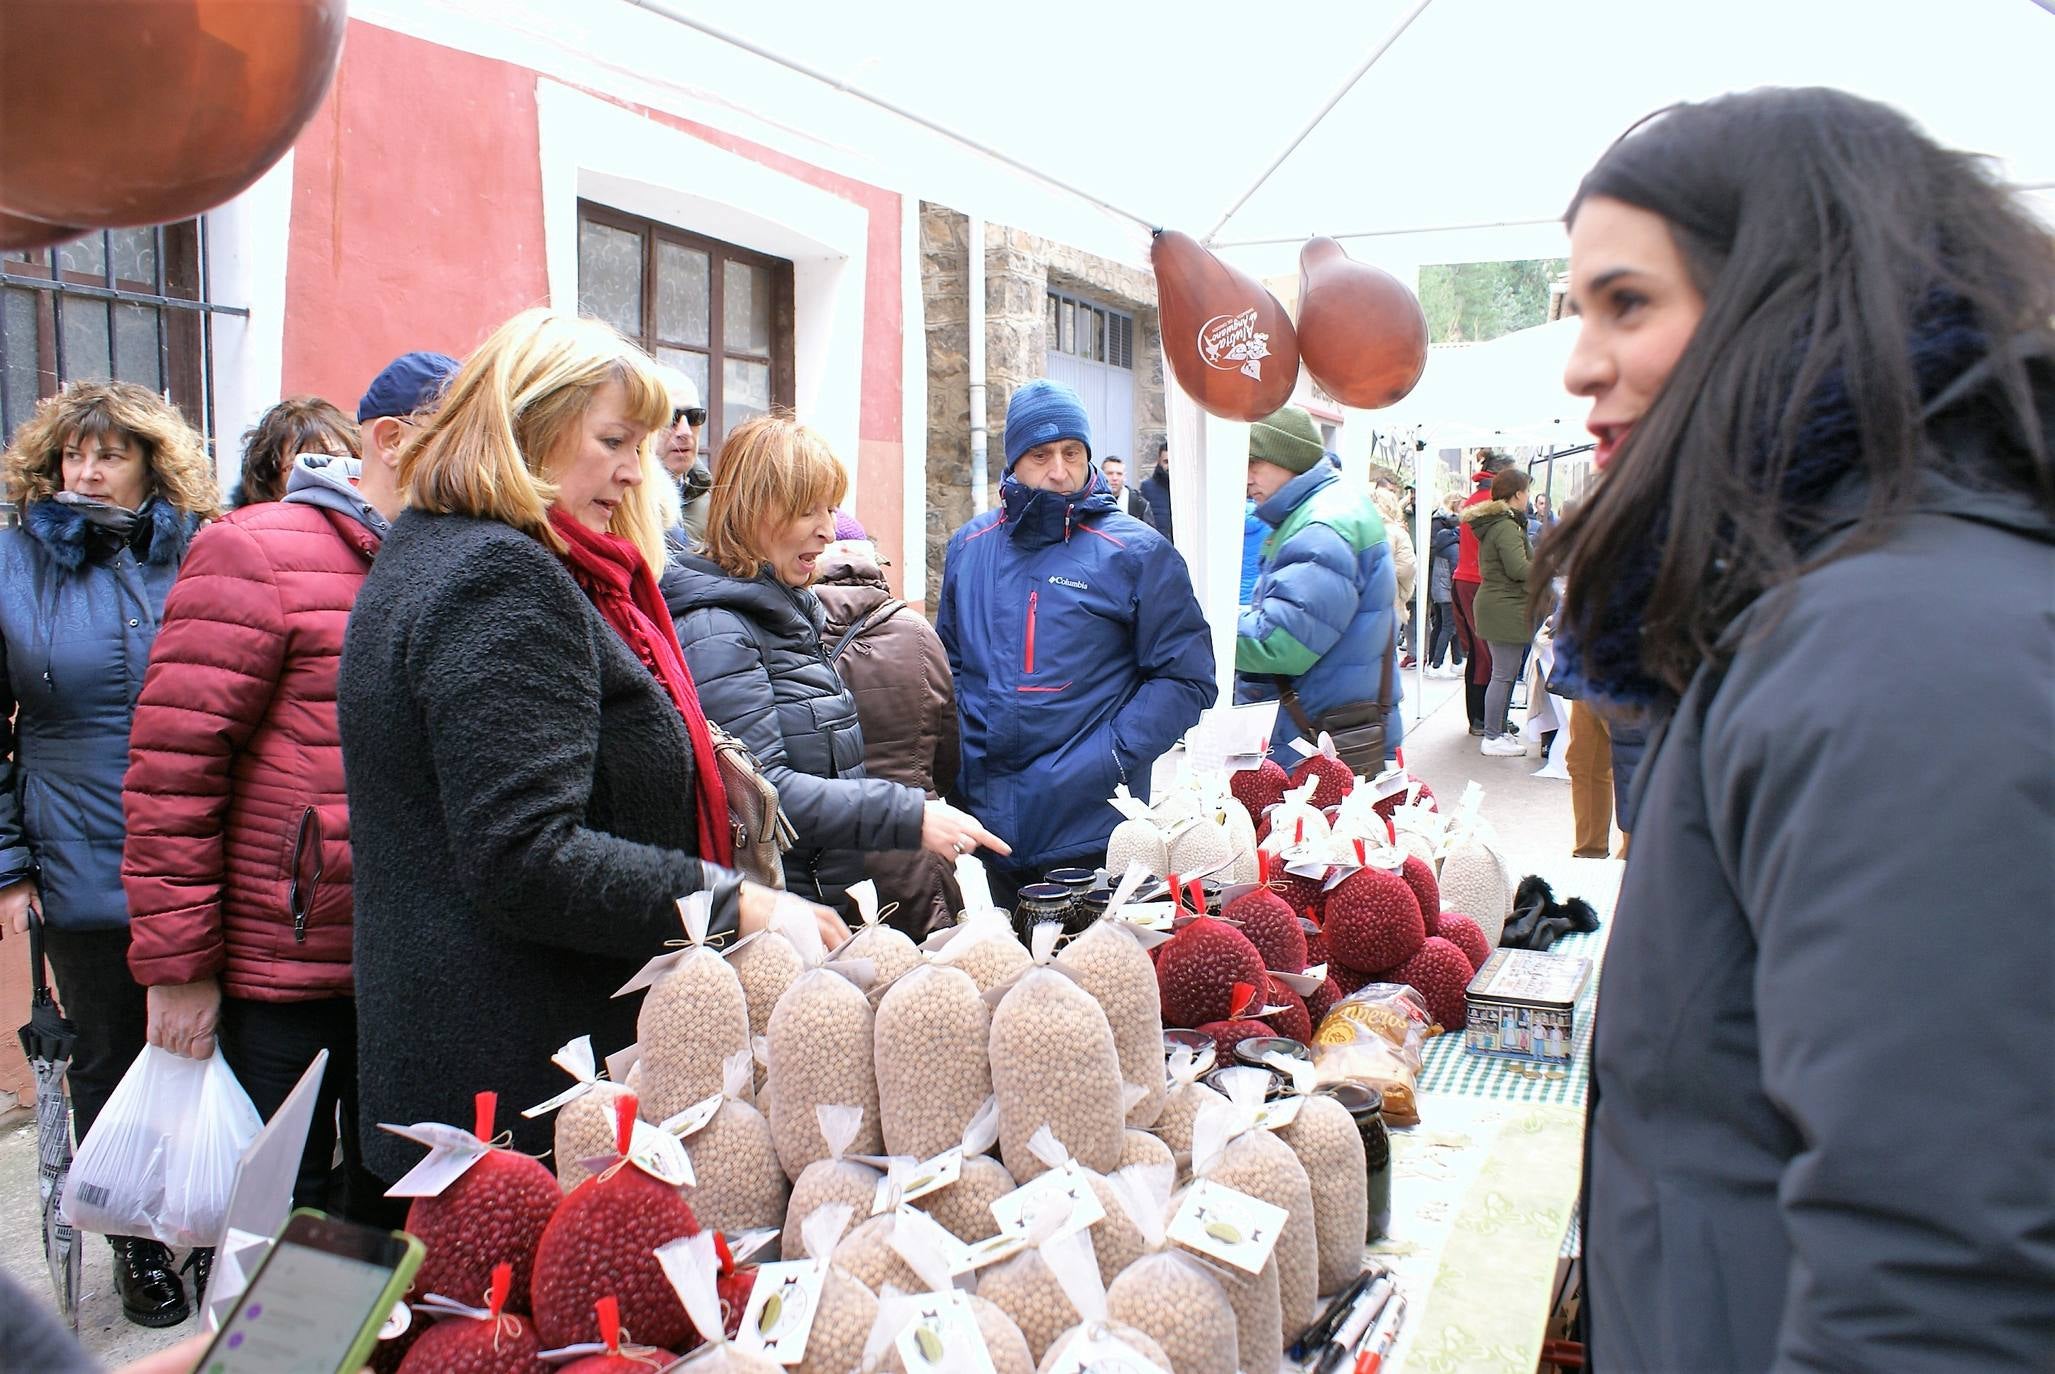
(1823, 1132)
(754, 647)
(78, 613)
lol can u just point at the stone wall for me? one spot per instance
(1019, 271)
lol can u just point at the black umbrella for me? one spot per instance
(48, 1040)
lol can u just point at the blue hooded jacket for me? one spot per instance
(79, 608)
(1080, 655)
(1325, 605)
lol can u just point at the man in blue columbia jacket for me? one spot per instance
(1079, 651)
(1325, 604)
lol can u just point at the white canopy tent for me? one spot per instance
(1507, 392)
(1417, 131)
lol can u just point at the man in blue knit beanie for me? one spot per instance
(1078, 647)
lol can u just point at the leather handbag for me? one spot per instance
(1357, 727)
(761, 832)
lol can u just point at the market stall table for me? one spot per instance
(1484, 1190)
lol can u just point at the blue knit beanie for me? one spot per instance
(1042, 412)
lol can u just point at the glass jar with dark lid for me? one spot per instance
(1253, 1050)
(1220, 1078)
(1204, 1051)
(1040, 904)
(1366, 1106)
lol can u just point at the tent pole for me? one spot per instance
(1323, 112)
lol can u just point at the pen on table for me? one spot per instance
(1336, 1312)
(1383, 1336)
(1360, 1320)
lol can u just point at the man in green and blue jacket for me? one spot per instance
(1325, 604)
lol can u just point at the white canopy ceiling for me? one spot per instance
(1482, 111)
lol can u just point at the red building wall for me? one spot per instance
(417, 223)
(417, 211)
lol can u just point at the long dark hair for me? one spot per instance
(1851, 270)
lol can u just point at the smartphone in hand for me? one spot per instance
(318, 1301)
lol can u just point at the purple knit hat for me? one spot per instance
(847, 528)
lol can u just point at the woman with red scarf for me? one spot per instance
(531, 779)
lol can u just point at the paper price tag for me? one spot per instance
(1231, 1227)
(1304, 747)
(451, 1153)
(1149, 915)
(943, 1337)
(1099, 1351)
(781, 1309)
(694, 1117)
(990, 1250)
(622, 1060)
(1065, 1190)
(1280, 1112)
(661, 1155)
(933, 1175)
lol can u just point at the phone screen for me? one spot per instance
(301, 1314)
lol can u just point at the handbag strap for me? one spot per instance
(878, 614)
(1294, 708)
(39, 978)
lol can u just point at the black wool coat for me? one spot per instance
(754, 646)
(520, 793)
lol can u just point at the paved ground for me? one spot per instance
(1530, 814)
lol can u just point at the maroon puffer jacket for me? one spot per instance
(237, 862)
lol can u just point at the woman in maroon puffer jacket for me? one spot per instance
(237, 862)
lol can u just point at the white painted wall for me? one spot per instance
(246, 253)
(913, 315)
(595, 150)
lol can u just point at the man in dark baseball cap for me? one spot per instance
(410, 383)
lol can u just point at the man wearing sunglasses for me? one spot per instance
(680, 453)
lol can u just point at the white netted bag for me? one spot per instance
(1110, 961)
(1232, 1147)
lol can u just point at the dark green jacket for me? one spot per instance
(1502, 556)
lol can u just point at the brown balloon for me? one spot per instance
(131, 112)
(1362, 333)
(1229, 342)
(18, 235)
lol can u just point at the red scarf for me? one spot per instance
(622, 588)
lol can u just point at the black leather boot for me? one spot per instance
(200, 1264)
(150, 1291)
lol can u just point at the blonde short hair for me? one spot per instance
(772, 469)
(485, 450)
(172, 451)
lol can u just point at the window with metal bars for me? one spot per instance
(1091, 332)
(720, 314)
(123, 304)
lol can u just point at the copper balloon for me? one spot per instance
(18, 235)
(1229, 342)
(1362, 333)
(131, 112)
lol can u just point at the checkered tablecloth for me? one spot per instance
(1447, 1067)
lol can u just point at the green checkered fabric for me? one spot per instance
(1447, 1067)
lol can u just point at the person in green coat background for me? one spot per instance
(1500, 525)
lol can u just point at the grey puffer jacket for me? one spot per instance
(754, 647)
(78, 614)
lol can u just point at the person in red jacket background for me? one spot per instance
(1464, 583)
(237, 862)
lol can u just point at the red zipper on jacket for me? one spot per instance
(1032, 597)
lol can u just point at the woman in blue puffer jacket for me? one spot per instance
(112, 484)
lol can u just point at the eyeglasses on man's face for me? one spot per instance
(696, 415)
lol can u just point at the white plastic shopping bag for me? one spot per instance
(161, 1159)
